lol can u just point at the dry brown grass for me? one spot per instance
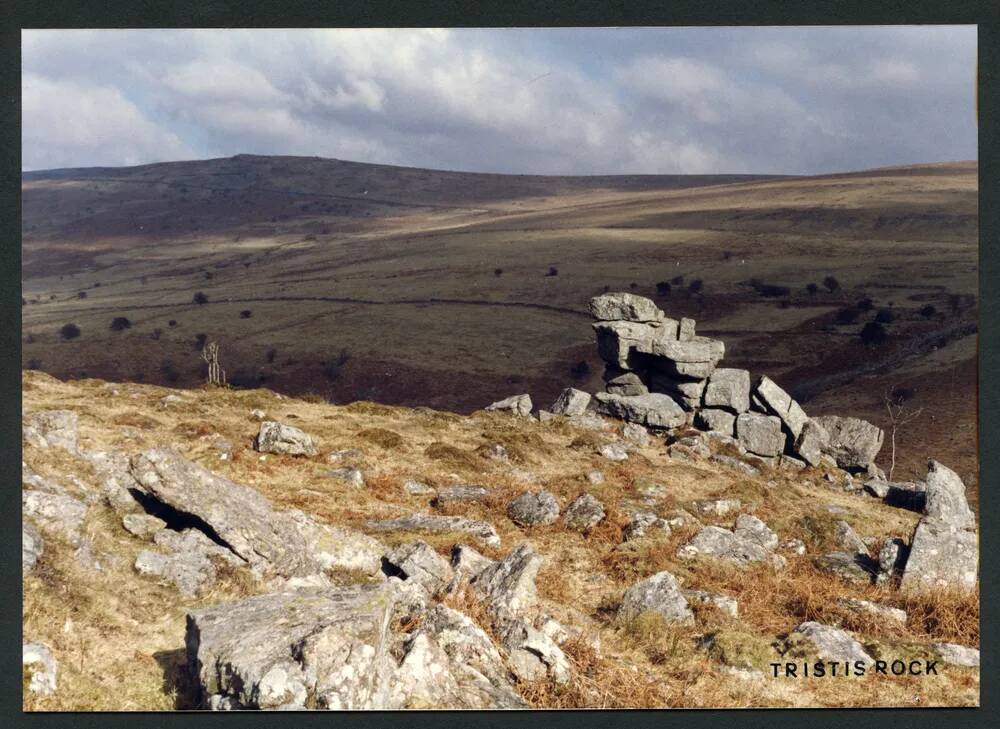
(127, 629)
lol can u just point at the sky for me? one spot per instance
(524, 101)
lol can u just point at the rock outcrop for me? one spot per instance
(944, 551)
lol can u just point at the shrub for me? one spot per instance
(200, 298)
(553, 271)
(157, 333)
(873, 334)
(884, 316)
(170, 374)
(81, 295)
(847, 315)
(30, 339)
(498, 272)
(677, 280)
(726, 255)
(270, 354)
(246, 314)
(69, 331)
(331, 370)
(831, 284)
(770, 290)
(199, 342)
(696, 286)
(812, 289)
(865, 304)
(903, 393)
(172, 323)
(34, 364)
(928, 311)
(663, 288)
(633, 285)
(785, 304)
(209, 275)
(580, 370)
(120, 324)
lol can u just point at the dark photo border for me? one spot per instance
(18, 14)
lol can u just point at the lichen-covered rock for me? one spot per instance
(533, 508)
(286, 543)
(533, 655)
(944, 551)
(957, 655)
(729, 389)
(848, 539)
(585, 512)
(417, 488)
(654, 410)
(571, 402)
(826, 643)
(885, 612)
(143, 526)
(188, 571)
(42, 667)
(288, 440)
(635, 434)
(645, 523)
(752, 529)
(320, 648)
(715, 420)
(622, 382)
(848, 566)
(852, 442)
(353, 477)
(723, 544)
(433, 524)
(461, 494)
(613, 452)
(516, 404)
(467, 563)
(811, 442)
(508, 586)
(624, 307)
(722, 603)
(52, 429)
(760, 434)
(58, 513)
(659, 594)
(781, 404)
(717, 507)
(418, 562)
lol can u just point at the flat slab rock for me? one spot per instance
(433, 524)
(624, 307)
(654, 410)
(285, 543)
(826, 643)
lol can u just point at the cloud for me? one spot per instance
(83, 124)
(551, 101)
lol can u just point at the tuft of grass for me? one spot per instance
(382, 437)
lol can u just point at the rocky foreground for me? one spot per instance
(227, 549)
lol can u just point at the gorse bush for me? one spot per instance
(69, 331)
(831, 284)
(200, 298)
(120, 324)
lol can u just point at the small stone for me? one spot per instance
(723, 603)
(417, 488)
(516, 404)
(613, 452)
(717, 507)
(595, 477)
(848, 539)
(283, 439)
(348, 454)
(32, 547)
(533, 508)
(825, 642)
(645, 523)
(957, 655)
(585, 512)
(427, 524)
(353, 477)
(754, 530)
(880, 611)
(660, 594)
(461, 494)
(635, 434)
(850, 567)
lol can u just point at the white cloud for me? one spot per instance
(69, 123)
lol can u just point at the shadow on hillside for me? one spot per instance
(176, 678)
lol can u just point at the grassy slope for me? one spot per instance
(397, 267)
(119, 637)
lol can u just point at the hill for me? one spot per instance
(160, 544)
(421, 287)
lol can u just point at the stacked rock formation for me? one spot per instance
(660, 374)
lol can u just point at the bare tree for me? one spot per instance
(899, 416)
(216, 375)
